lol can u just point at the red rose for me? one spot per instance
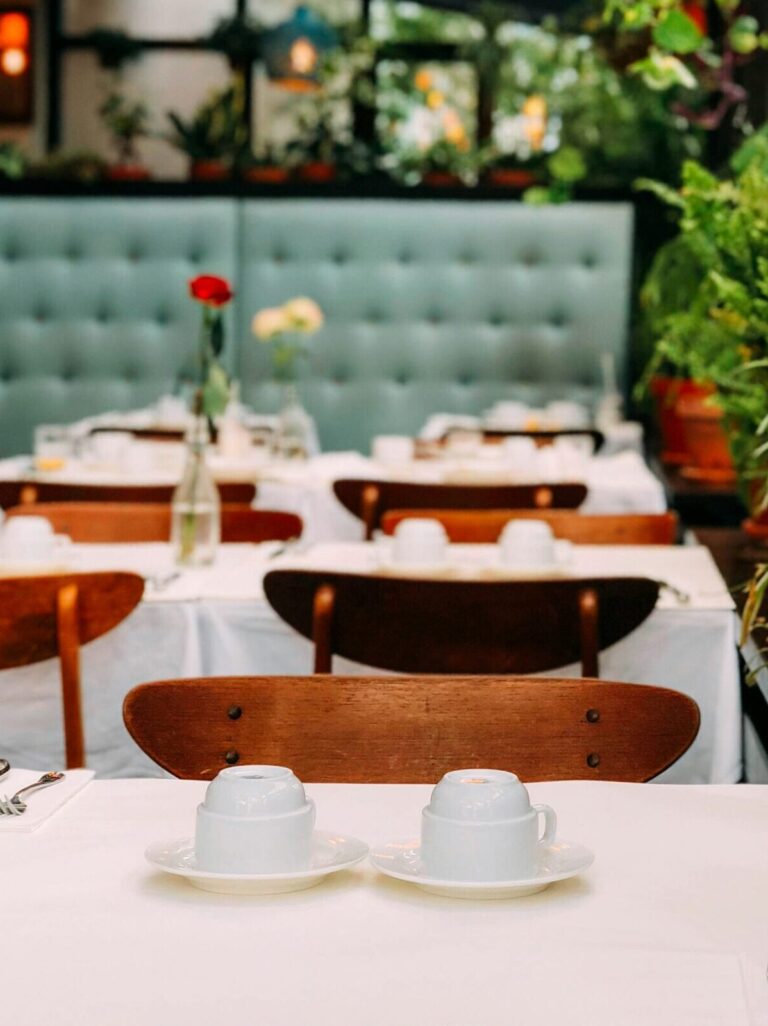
(209, 289)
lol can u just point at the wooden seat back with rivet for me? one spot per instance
(459, 626)
(485, 526)
(541, 436)
(53, 615)
(369, 500)
(411, 730)
(15, 493)
(105, 522)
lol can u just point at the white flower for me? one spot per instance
(303, 314)
(269, 323)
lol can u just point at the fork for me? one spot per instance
(15, 806)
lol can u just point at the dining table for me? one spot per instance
(216, 621)
(666, 928)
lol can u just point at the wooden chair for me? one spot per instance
(545, 436)
(369, 500)
(484, 526)
(448, 626)
(150, 522)
(26, 492)
(42, 617)
(411, 730)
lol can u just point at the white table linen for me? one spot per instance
(41, 804)
(667, 928)
(216, 621)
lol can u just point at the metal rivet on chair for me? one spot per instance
(593, 715)
(234, 712)
(231, 757)
(542, 498)
(593, 760)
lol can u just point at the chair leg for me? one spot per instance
(588, 620)
(369, 502)
(322, 626)
(68, 634)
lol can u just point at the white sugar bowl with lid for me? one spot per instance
(480, 826)
(255, 819)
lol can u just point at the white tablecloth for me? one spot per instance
(216, 621)
(667, 928)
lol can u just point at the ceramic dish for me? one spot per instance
(331, 853)
(559, 861)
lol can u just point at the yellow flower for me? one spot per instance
(423, 80)
(435, 99)
(456, 135)
(303, 314)
(269, 323)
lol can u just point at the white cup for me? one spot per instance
(28, 539)
(255, 819)
(419, 541)
(480, 825)
(392, 449)
(564, 413)
(527, 543)
(109, 447)
(509, 414)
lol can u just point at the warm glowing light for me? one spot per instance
(14, 31)
(535, 115)
(14, 61)
(303, 57)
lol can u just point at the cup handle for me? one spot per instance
(550, 823)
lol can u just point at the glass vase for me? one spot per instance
(196, 506)
(296, 434)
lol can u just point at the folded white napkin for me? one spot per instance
(40, 804)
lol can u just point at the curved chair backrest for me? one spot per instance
(543, 436)
(485, 526)
(151, 522)
(448, 626)
(411, 730)
(42, 617)
(369, 500)
(27, 492)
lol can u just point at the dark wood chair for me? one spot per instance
(484, 526)
(411, 730)
(47, 616)
(151, 522)
(544, 436)
(449, 626)
(16, 493)
(369, 500)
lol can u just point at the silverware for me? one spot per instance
(159, 582)
(682, 597)
(290, 543)
(4, 767)
(14, 806)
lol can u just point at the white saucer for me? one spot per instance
(330, 854)
(559, 861)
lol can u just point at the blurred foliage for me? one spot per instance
(216, 131)
(114, 48)
(13, 163)
(126, 121)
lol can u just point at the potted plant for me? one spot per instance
(716, 332)
(126, 121)
(268, 167)
(214, 137)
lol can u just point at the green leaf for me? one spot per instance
(215, 390)
(743, 35)
(661, 71)
(217, 334)
(677, 33)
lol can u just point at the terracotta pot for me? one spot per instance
(756, 524)
(269, 174)
(709, 455)
(317, 171)
(666, 392)
(442, 179)
(209, 171)
(128, 173)
(511, 178)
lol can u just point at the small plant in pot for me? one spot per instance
(267, 167)
(126, 121)
(213, 138)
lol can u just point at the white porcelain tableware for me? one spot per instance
(255, 820)
(480, 826)
(30, 540)
(527, 543)
(330, 853)
(567, 415)
(392, 449)
(559, 861)
(109, 448)
(419, 541)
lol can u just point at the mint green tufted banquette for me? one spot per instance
(431, 305)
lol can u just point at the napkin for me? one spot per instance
(43, 803)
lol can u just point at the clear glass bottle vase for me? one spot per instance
(296, 435)
(196, 506)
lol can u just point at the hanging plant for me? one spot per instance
(238, 38)
(114, 48)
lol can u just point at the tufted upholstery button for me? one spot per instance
(41, 314)
(374, 316)
(436, 317)
(405, 257)
(340, 257)
(402, 378)
(465, 379)
(495, 319)
(278, 257)
(531, 258)
(557, 319)
(195, 256)
(135, 254)
(103, 315)
(11, 253)
(68, 373)
(162, 317)
(74, 253)
(589, 260)
(468, 258)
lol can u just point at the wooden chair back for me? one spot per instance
(450, 626)
(53, 615)
(544, 436)
(411, 730)
(485, 526)
(16, 493)
(369, 500)
(151, 522)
